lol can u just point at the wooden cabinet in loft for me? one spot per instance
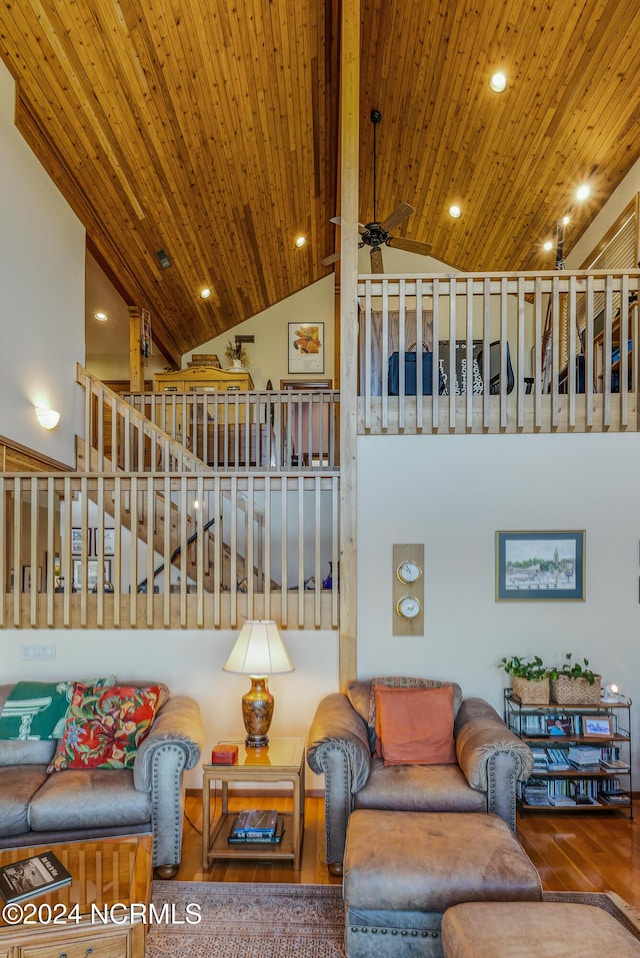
(225, 444)
(203, 379)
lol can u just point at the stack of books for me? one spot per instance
(584, 757)
(256, 826)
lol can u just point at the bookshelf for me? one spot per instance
(582, 755)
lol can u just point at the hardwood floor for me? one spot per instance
(571, 852)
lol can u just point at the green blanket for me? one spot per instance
(36, 710)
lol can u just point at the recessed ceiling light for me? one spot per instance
(205, 293)
(566, 220)
(547, 246)
(300, 241)
(101, 317)
(498, 82)
(582, 192)
(455, 212)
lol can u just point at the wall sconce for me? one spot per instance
(48, 418)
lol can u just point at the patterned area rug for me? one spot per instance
(240, 920)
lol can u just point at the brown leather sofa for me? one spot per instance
(79, 804)
(491, 760)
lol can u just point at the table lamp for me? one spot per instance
(258, 652)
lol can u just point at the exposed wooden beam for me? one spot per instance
(349, 132)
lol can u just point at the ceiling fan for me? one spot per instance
(378, 234)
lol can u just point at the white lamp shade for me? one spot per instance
(259, 650)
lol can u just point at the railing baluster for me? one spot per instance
(435, 371)
(284, 552)
(520, 355)
(608, 349)
(571, 335)
(453, 292)
(624, 352)
(486, 352)
(385, 354)
(504, 317)
(301, 582)
(469, 357)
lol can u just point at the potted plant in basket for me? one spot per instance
(574, 683)
(529, 679)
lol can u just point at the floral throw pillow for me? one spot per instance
(105, 726)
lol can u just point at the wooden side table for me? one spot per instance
(281, 761)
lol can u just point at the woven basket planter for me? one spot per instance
(569, 691)
(531, 691)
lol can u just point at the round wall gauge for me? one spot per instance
(408, 571)
(408, 607)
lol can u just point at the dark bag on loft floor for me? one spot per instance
(410, 378)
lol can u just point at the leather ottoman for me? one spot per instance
(402, 870)
(534, 930)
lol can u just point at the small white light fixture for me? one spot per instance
(205, 293)
(611, 693)
(566, 220)
(48, 418)
(583, 192)
(498, 82)
(455, 212)
(300, 241)
(548, 245)
(101, 317)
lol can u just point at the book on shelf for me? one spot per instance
(255, 823)
(584, 755)
(614, 798)
(32, 876)
(252, 838)
(561, 800)
(614, 765)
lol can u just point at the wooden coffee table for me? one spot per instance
(106, 873)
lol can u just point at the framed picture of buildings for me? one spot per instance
(306, 348)
(92, 574)
(540, 565)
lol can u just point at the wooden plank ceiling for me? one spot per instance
(209, 130)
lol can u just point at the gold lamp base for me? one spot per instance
(257, 712)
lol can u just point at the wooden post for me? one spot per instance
(136, 367)
(349, 110)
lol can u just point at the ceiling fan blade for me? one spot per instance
(409, 245)
(333, 258)
(377, 265)
(398, 216)
(338, 221)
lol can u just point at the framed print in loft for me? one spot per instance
(306, 347)
(540, 565)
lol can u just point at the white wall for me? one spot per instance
(42, 246)
(268, 355)
(453, 493)
(190, 663)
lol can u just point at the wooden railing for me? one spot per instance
(554, 351)
(118, 438)
(272, 431)
(168, 551)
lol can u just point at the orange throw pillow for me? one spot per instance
(415, 726)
